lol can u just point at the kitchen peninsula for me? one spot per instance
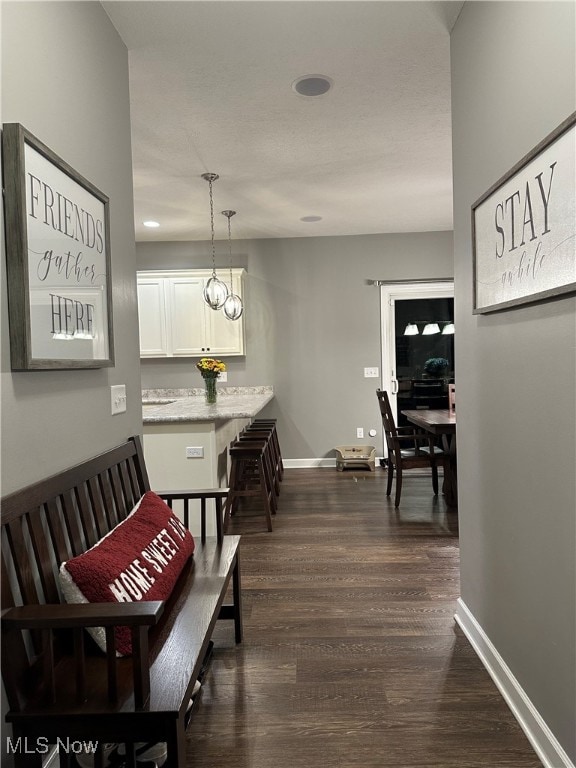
(186, 440)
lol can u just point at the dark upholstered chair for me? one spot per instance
(407, 449)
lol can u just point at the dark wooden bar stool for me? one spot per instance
(250, 433)
(271, 424)
(249, 478)
(263, 438)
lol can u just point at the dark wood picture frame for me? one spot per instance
(58, 263)
(524, 228)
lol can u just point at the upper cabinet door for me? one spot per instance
(152, 317)
(187, 316)
(227, 336)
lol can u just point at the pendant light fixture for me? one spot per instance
(233, 306)
(215, 291)
(430, 329)
(411, 330)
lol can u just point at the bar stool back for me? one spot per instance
(249, 478)
(270, 424)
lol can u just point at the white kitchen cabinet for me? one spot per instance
(175, 321)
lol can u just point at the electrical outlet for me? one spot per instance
(371, 373)
(223, 376)
(360, 432)
(118, 398)
(195, 452)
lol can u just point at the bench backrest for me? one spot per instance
(51, 521)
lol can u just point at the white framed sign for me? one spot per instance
(524, 228)
(57, 260)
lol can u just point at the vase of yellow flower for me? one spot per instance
(210, 369)
(210, 392)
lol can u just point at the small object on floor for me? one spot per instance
(355, 456)
(148, 754)
(115, 758)
(157, 753)
(86, 760)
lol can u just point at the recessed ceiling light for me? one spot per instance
(151, 224)
(312, 85)
(308, 219)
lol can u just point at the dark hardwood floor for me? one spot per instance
(351, 654)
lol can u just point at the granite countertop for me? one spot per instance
(175, 405)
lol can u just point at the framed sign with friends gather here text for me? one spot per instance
(57, 260)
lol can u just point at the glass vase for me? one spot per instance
(210, 389)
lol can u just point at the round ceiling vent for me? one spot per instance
(312, 85)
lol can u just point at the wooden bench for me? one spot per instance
(61, 688)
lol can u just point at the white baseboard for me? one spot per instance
(309, 463)
(532, 723)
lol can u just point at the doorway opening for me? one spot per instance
(417, 322)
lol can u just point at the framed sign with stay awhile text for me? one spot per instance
(524, 228)
(57, 260)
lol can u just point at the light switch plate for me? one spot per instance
(118, 398)
(371, 373)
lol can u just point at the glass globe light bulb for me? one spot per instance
(215, 293)
(233, 307)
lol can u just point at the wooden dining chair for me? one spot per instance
(407, 449)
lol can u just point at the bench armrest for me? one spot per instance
(45, 618)
(65, 616)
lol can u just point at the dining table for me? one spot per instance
(441, 423)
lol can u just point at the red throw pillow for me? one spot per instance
(140, 559)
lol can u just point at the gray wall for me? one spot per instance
(513, 71)
(65, 78)
(312, 326)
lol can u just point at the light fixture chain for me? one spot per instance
(212, 229)
(215, 291)
(230, 252)
(229, 215)
(233, 307)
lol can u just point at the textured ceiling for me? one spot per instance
(210, 86)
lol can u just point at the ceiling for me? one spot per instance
(211, 91)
